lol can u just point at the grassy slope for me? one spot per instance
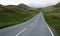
(52, 17)
(13, 15)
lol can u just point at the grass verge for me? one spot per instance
(53, 19)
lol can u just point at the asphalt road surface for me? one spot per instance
(33, 27)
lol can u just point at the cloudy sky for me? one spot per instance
(34, 3)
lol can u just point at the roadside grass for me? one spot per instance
(53, 19)
(10, 16)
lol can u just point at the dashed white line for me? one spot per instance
(21, 32)
(31, 25)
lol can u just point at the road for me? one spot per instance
(33, 27)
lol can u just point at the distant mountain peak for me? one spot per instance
(23, 6)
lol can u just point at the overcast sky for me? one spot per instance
(34, 3)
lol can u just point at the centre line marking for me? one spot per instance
(21, 31)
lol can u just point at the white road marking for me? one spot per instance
(48, 26)
(21, 32)
(31, 25)
(50, 30)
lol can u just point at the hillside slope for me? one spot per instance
(12, 15)
(54, 8)
(52, 16)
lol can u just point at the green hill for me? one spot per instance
(57, 5)
(12, 15)
(54, 8)
(52, 16)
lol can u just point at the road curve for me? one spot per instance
(33, 27)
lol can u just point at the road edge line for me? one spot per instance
(48, 26)
(50, 30)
